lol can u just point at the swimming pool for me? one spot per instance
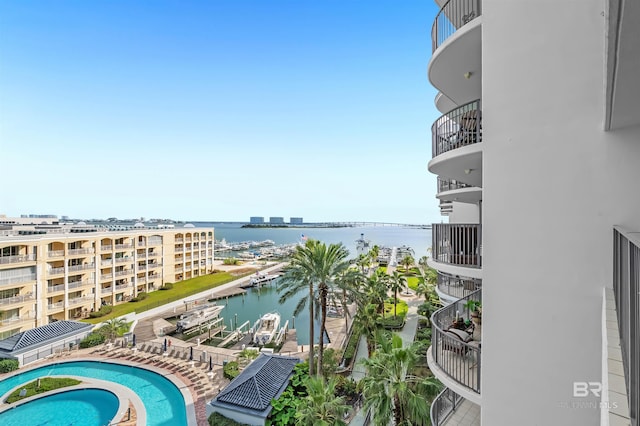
(87, 407)
(162, 400)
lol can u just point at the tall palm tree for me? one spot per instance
(407, 262)
(321, 406)
(390, 391)
(373, 254)
(314, 265)
(375, 289)
(397, 282)
(298, 276)
(366, 322)
(348, 282)
(363, 261)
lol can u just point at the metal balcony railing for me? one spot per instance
(122, 286)
(123, 259)
(106, 248)
(123, 246)
(56, 305)
(75, 252)
(459, 127)
(450, 185)
(106, 276)
(453, 15)
(86, 266)
(82, 283)
(457, 286)
(17, 258)
(54, 288)
(106, 290)
(18, 280)
(626, 288)
(443, 405)
(457, 244)
(16, 299)
(17, 319)
(55, 253)
(107, 262)
(460, 360)
(79, 300)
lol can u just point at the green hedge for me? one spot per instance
(166, 286)
(231, 370)
(46, 384)
(8, 365)
(93, 339)
(141, 296)
(104, 310)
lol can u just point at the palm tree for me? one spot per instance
(114, 327)
(375, 289)
(315, 266)
(366, 322)
(373, 254)
(321, 406)
(299, 276)
(390, 391)
(407, 261)
(397, 282)
(349, 281)
(363, 261)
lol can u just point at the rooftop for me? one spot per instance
(41, 336)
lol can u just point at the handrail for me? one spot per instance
(451, 17)
(626, 289)
(456, 358)
(457, 286)
(443, 406)
(19, 258)
(450, 185)
(457, 244)
(459, 127)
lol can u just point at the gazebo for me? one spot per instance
(40, 342)
(247, 399)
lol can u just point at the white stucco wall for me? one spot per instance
(464, 213)
(554, 185)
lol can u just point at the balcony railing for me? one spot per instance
(106, 290)
(17, 319)
(106, 248)
(82, 283)
(459, 127)
(443, 405)
(79, 300)
(124, 272)
(107, 262)
(75, 252)
(55, 253)
(17, 258)
(54, 288)
(18, 280)
(456, 286)
(457, 244)
(179, 240)
(460, 360)
(16, 299)
(152, 254)
(123, 259)
(626, 288)
(123, 246)
(106, 276)
(54, 271)
(141, 280)
(74, 268)
(122, 286)
(450, 185)
(57, 305)
(453, 15)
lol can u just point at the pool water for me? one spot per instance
(86, 407)
(163, 401)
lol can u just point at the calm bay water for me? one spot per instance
(260, 301)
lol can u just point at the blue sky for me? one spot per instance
(217, 110)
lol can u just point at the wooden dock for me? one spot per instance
(290, 343)
(227, 292)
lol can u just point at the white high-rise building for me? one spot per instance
(537, 155)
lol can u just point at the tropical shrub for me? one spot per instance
(92, 339)
(285, 407)
(230, 261)
(166, 286)
(231, 370)
(8, 365)
(141, 296)
(46, 384)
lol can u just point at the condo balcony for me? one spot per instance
(55, 288)
(451, 190)
(106, 248)
(123, 259)
(457, 244)
(120, 287)
(457, 145)
(55, 306)
(79, 300)
(449, 408)
(83, 267)
(453, 287)
(17, 319)
(6, 301)
(123, 246)
(56, 271)
(81, 251)
(106, 290)
(455, 355)
(455, 68)
(124, 272)
(55, 253)
(21, 258)
(79, 284)
(20, 279)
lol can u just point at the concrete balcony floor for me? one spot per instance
(467, 414)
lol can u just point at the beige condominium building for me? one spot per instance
(50, 272)
(537, 155)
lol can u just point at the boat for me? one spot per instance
(199, 316)
(259, 280)
(266, 328)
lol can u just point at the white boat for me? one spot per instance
(260, 279)
(198, 316)
(266, 328)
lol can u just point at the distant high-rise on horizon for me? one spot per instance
(256, 220)
(295, 220)
(276, 220)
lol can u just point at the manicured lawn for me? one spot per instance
(402, 309)
(413, 282)
(179, 291)
(46, 384)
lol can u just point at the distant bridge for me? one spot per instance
(356, 224)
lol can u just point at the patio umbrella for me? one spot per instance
(191, 353)
(210, 363)
(165, 345)
(134, 341)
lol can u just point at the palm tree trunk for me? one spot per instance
(397, 410)
(311, 362)
(323, 310)
(395, 303)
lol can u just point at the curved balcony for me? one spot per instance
(455, 353)
(449, 408)
(453, 15)
(457, 244)
(455, 68)
(452, 190)
(453, 287)
(457, 145)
